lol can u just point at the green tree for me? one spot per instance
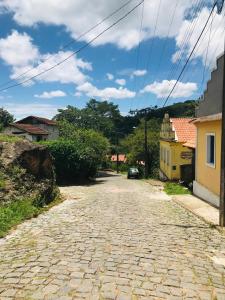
(5, 118)
(133, 145)
(100, 116)
(78, 153)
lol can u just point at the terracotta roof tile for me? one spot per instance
(185, 131)
(30, 128)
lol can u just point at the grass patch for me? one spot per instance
(9, 138)
(172, 188)
(19, 211)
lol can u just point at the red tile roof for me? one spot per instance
(30, 128)
(185, 131)
(122, 158)
(42, 120)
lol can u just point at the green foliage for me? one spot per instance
(177, 110)
(100, 116)
(134, 146)
(122, 167)
(78, 153)
(14, 213)
(9, 138)
(173, 188)
(5, 118)
(19, 210)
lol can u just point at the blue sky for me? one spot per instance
(112, 68)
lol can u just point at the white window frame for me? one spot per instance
(207, 163)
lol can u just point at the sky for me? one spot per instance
(134, 64)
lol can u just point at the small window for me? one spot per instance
(174, 168)
(210, 149)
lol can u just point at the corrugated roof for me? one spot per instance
(43, 120)
(185, 131)
(30, 128)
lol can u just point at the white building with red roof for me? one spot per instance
(34, 128)
(177, 144)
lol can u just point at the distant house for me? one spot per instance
(177, 144)
(208, 152)
(34, 129)
(121, 158)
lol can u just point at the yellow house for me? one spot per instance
(177, 143)
(207, 174)
(208, 149)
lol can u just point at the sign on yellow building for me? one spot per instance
(177, 144)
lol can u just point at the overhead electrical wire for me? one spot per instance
(212, 34)
(151, 45)
(70, 43)
(186, 38)
(167, 36)
(77, 51)
(138, 50)
(190, 55)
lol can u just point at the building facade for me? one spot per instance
(34, 129)
(209, 123)
(177, 144)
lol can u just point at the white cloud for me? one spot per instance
(162, 89)
(51, 94)
(74, 14)
(17, 51)
(216, 45)
(120, 81)
(106, 93)
(110, 76)
(139, 73)
(24, 109)
(78, 94)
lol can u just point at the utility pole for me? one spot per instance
(220, 4)
(144, 112)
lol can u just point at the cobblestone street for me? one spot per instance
(116, 239)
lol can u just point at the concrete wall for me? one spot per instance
(172, 170)
(208, 176)
(18, 132)
(52, 130)
(211, 102)
(205, 194)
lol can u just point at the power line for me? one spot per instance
(165, 41)
(189, 57)
(70, 43)
(151, 45)
(138, 49)
(187, 37)
(77, 51)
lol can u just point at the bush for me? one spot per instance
(79, 156)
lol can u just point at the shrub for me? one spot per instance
(78, 157)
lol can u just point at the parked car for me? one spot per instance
(133, 173)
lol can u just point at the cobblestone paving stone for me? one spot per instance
(122, 239)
